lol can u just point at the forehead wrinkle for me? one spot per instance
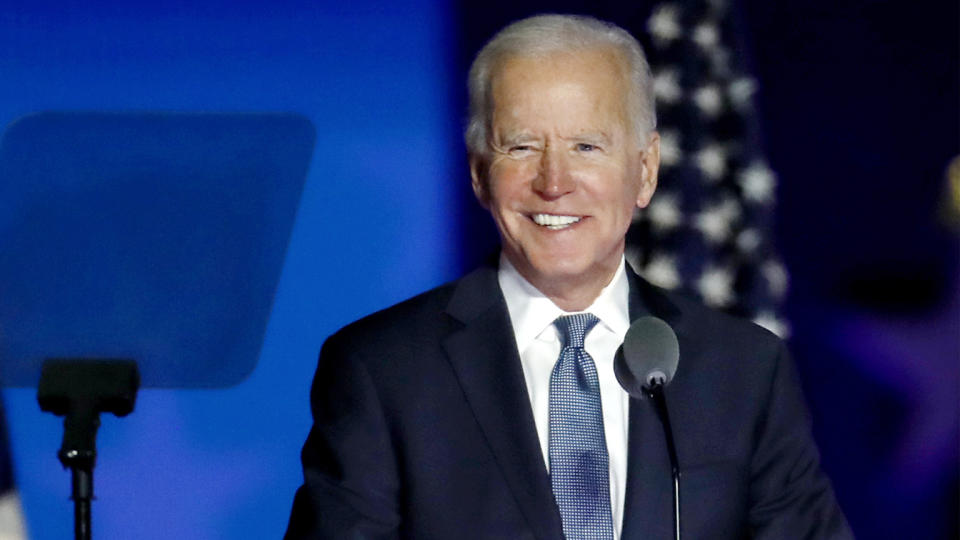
(521, 98)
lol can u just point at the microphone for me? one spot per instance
(647, 358)
(644, 365)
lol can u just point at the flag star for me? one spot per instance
(714, 224)
(741, 92)
(730, 209)
(757, 182)
(670, 153)
(662, 272)
(712, 161)
(709, 99)
(748, 240)
(771, 322)
(776, 276)
(706, 35)
(664, 212)
(715, 285)
(666, 86)
(664, 24)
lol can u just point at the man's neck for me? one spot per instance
(573, 299)
(571, 295)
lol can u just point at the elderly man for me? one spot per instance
(488, 408)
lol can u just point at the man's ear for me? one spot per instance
(650, 166)
(478, 179)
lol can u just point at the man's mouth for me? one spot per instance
(554, 222)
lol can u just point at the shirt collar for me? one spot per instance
(531, 312)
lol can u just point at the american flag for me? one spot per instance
(708, 230)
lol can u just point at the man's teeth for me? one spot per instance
(554, 222)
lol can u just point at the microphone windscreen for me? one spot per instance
(649, 355)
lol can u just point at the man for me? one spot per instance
(488, 408)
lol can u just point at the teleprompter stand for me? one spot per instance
(117, 231)
(79, 390)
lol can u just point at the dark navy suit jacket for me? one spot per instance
(423, 429)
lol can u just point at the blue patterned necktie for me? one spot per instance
(579, 465)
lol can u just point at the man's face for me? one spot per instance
(565, 169)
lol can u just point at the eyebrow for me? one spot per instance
(590, 137)
(514, 138)
(598, 137)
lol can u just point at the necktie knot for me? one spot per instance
(574, 328)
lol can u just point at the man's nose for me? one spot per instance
(554, 179)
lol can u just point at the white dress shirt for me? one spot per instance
(532, 315)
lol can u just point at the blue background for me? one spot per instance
(374, 226)
(859, 104)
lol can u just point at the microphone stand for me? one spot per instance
(655, 393)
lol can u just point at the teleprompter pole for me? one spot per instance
(79, 390)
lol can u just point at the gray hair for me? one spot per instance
(542, 35)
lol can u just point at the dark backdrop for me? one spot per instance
(858, 105)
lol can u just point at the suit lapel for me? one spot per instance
(484, 356)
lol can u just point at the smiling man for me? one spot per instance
(565, 168)
(488, 408)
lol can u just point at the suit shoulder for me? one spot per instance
(723, 329)
(405, 321)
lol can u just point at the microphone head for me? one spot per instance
(648, 356)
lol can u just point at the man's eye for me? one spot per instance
(586, 147)
(520, 149)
